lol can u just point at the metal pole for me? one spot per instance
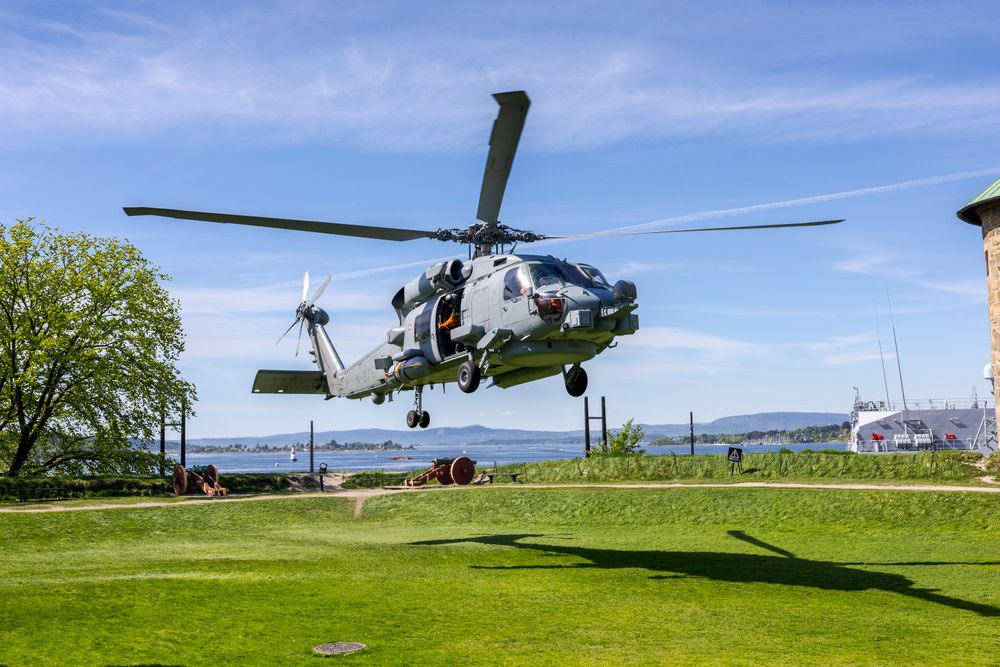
(895, 345)
(163, 439)
(311, 446)
(586, 427)
(184, 432)
(692, 433)
(604, 425)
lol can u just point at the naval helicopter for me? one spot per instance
(499, 314)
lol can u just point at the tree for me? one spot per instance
(88, 345)
(622, 442)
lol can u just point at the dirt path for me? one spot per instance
(359, 496)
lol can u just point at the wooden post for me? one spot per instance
(586, 427)
(604, 425)
(692, 433)
(163, 439)
(184, 432)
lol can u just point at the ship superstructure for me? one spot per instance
(927, 424)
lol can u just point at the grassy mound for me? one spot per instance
(948, 467)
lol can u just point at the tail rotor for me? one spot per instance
(307, 311)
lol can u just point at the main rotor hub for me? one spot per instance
(484, 236)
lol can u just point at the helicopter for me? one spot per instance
(511, 317)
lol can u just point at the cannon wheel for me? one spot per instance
(180, 480)
(212, 475)
(463, 470)
(443, 476)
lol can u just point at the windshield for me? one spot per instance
(596, 276)
(545, 274)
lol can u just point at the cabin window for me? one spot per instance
(422, 325)
(515, 283)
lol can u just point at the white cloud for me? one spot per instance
(132, 74)
(912, 270)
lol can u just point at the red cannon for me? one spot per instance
(208, 482)
(459, 471)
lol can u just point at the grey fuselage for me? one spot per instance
(519, 317)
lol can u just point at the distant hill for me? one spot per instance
(765, 421)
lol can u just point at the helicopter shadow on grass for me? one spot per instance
(783, 568)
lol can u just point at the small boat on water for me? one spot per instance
(402, 458)
(292, 457)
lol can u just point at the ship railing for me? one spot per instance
(884, 446)
(925, 404)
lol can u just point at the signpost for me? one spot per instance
(735, 458)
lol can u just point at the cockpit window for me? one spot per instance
(596, 276)
(515, 283)
(544, 274)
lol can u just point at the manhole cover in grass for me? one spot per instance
(338, 648)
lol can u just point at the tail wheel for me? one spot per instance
(180, 480)
(412, 419)
(468, 376)
(443, 476)
(576, 382)
(425, 419)
(463, 470)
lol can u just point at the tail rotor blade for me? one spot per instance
(319, 291)
(282, 336)
(305, 285)
(298, 341)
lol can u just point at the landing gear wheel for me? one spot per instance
(443, 476)
(576, 382)
(463, 470)
(180, 480)
(425, 419)
(468, 376)
(412, 419)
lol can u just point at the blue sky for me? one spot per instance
(378, 113)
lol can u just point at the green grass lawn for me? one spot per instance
(512, 576)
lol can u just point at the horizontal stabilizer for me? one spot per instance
(289, 382)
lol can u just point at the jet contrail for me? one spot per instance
(802, 201)
(719, 213)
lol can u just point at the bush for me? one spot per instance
(624, 442)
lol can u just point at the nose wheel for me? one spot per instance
(576, 381)
(418, 417)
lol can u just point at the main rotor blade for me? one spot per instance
(503, 145)
(305, 285)
(594, 235)
(319, 291)
(361, 231)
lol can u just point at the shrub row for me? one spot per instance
(41, 488)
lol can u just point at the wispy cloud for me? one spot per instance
(130, 74)
(909, 269)
(846, 350)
